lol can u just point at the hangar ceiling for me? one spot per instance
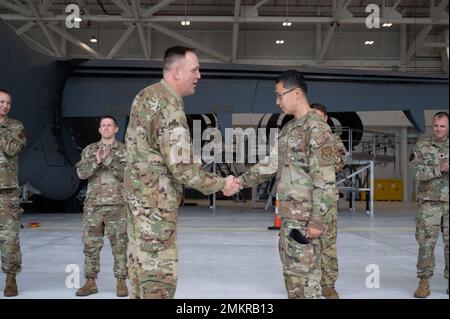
(412, 35)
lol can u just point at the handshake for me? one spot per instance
(232, 185)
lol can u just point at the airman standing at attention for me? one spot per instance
(12, 140)
(329, 262)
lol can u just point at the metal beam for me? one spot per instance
(63, 43)
(143, 40)
(121, 41)
(228, 19)
(318, 40)
(161, 5)
(124, 6)
(418, 42)
(189, 42)
(25, 27)
(341, 6)
(83, 46)
(396, 4)
(15, 7)
(45, 6)
(149, 40)
(37, 44)
(403, 45)
(47, 34)
(445, 51)
(50, 38)
(327, 41)
(258, 4)
(434, 45)
(235, 36)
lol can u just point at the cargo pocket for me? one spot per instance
(157, 231)
(300, 257)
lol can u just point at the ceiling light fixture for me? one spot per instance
(279, 41)
(185, 22)
(93, 39)
(286, 22)
(369, 42)
(387, 24)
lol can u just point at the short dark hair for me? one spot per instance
(291, 79)
(108, 117)
(440, 115)
(320, 107)
(5, 91)
(173, 54)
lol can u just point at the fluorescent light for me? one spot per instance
(387, 25)
(93, 39)
(78, 19)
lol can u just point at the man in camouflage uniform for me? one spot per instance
(329, 262)
(429, 164)
(103, 163)
(158, 164)
(305, 185)
(12, 140)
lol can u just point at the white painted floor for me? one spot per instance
(231, 254)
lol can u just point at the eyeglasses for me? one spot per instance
(280, 95)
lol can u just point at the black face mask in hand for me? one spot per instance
(296, 235)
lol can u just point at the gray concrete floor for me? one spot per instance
(231, 254)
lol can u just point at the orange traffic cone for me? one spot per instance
(276, 219)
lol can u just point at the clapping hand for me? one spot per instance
(103, 153)
(232, 186)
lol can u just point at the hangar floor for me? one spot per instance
(231, 254)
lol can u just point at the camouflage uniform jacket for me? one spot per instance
(12, 140)
(304, 161)
(159, 149)
(425, 160)
(341, 152)
(105, 180)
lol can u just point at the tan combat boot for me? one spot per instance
(423, 290)
(330, 293)
(10, 286)
(121, 288)
(89, 288)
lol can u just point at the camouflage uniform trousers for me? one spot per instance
(152, 252)
(301, 263)
(96, 221)
(10, 212)
(432, 218)
(329, 262)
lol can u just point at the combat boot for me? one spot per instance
(10, 286)
(89, 288)
(121, 288)
(423, 290)
(330, 293)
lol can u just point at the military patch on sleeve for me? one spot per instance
(327, 153)
(323, 138)
(412, 157)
